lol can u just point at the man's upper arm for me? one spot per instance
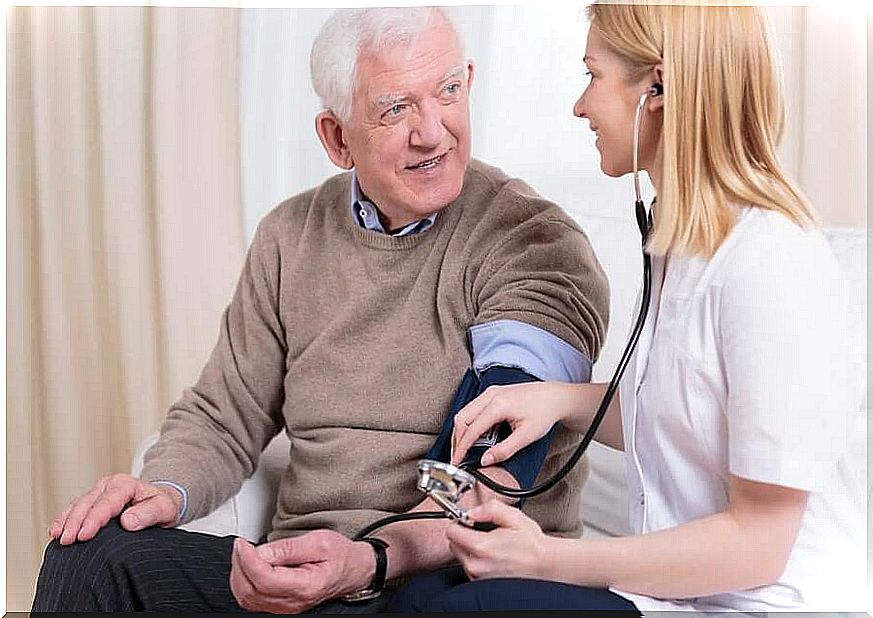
(542, 309)
(544, 273)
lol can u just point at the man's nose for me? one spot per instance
(429, 130)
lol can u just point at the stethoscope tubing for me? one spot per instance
(645, 299)
(644, 222)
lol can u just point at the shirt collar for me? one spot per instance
(366, 215)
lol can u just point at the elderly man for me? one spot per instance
(362, 305)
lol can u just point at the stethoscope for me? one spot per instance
(445, 483)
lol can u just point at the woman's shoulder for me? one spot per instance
(765, 241)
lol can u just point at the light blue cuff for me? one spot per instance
(535, 351)
(181, 490)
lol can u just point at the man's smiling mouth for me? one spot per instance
(427, 163)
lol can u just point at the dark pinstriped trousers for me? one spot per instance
(157, 569)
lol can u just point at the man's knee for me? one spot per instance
(85, 574)
(80, 555)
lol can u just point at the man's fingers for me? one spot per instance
(282, 552)
(312, 547)
(240, 585)
(262, 575)
(156, 510)
(58, 524)
(251, 565)
(107, 505)
(472, 409)
(77, 515)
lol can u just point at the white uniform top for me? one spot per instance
(752, 371)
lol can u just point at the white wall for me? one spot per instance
(529, 73)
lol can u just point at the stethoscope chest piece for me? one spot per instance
(445, 484)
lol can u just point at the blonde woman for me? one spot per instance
(740, 414)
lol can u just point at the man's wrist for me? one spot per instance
(177, 494)
(367, 560)
(374, 572)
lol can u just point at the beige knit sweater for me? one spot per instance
(354, 342)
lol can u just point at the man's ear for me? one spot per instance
(471, 68)
(330, 133)
(657, 103)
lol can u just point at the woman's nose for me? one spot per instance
(578, 107)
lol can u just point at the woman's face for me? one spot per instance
(609, 103)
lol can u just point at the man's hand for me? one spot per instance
(140, 504)
(293, 575)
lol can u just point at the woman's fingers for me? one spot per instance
(488, 416)
(465, 417)
(503, 450)
(496, 512)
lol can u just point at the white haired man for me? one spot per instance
(362, 305)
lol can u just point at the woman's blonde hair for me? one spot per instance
(723, 116)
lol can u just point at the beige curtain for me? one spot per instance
(124, 240)
(824, 55)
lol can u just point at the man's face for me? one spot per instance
(409, 131)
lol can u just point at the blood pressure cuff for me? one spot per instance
(525, 464)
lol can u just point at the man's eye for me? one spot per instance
(394, 110)
(452, 88)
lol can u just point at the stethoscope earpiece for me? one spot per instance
(657, 89)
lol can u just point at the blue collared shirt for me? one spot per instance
(367, 216)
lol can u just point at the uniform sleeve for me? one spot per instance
(212, 437)
(545, 273)
(785, 352)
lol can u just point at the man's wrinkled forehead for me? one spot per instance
(386, 99)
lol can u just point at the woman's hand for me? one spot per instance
(516, 548)
(531, 409)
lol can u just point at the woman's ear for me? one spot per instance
(330, 133)
(656, 103)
